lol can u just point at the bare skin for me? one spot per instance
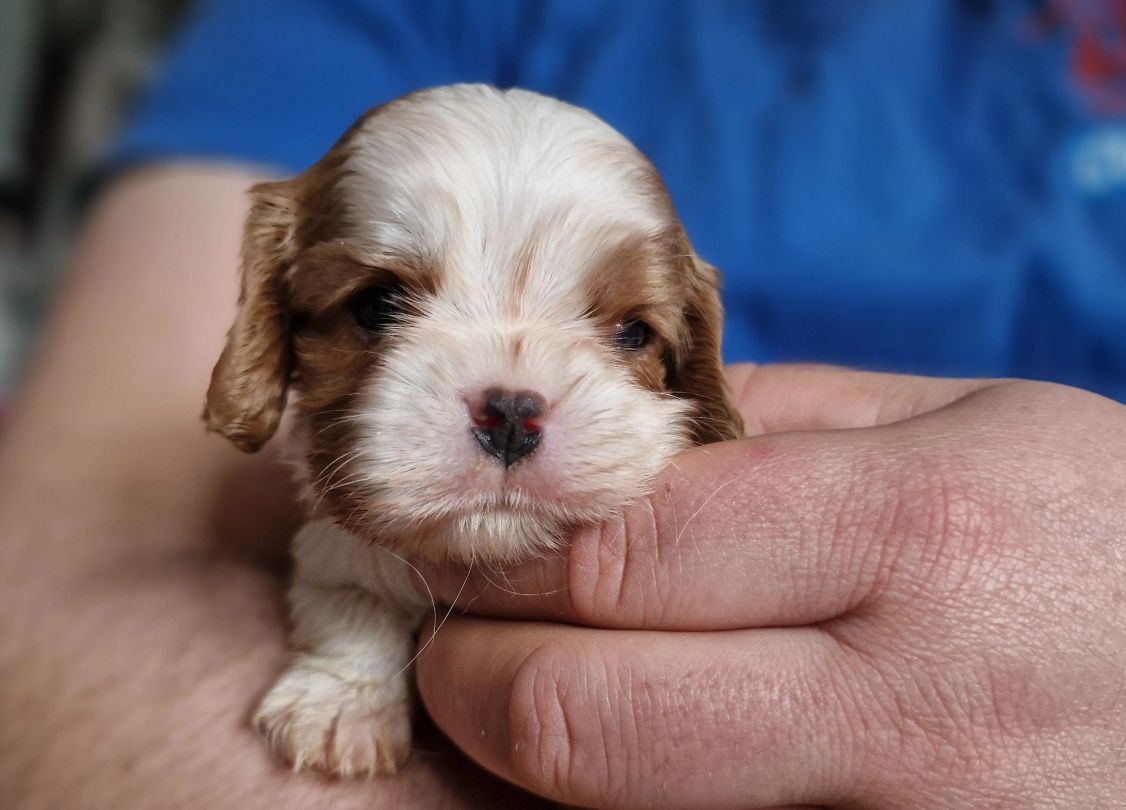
(925, 609)
(142, 562)
(924, 613)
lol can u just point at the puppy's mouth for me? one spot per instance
(499, 523)
(508, 498)
(521, 486)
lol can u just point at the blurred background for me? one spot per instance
(936, 186)
(68, 71)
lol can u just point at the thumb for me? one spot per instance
(787, 397)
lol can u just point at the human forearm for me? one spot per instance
(140, 604)
(110, 413)
(113, 549)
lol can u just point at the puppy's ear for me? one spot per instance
(696, 370)
(248, 386)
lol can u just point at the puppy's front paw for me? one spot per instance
(317, 720)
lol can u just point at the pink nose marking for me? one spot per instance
(506, 423)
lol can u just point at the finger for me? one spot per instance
(786, 529)
(732, 537)
(600, 718)
(785, 397)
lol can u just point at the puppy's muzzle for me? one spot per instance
(507, 423)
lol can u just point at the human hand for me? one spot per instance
(924, 610)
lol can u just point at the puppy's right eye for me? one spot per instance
(377, 307)
(633, 335)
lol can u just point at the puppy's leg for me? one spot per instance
(344, 707)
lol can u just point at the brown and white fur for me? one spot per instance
(488, 327)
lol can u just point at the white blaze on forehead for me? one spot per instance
(506, 191)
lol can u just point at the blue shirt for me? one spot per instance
(933, 186)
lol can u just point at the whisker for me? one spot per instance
(425, 584)
(326, 477)
(336, 464)
(702, 505)
(340, 420)
(440, 625)
(511, 589)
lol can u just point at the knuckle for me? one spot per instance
(1049, 396)
(561, 738)
(595, 574)
(540, 741)
(1060, 413)
(850, 531)
(608, 568)
(942, 518)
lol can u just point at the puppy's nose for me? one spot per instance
(506, 423)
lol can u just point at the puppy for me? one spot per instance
(488, 327)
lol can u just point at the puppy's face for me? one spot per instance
(488, 321)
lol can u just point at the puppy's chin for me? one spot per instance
(495, 536)
(498, 529)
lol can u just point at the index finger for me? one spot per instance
(679, 559)
(774, 530)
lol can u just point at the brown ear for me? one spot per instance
(696, 367)
(247, 393)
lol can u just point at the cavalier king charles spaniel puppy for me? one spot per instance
(486, 327)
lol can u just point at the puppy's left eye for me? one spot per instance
(376, 307)
(633, 335)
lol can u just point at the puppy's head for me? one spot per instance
(487, 319)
